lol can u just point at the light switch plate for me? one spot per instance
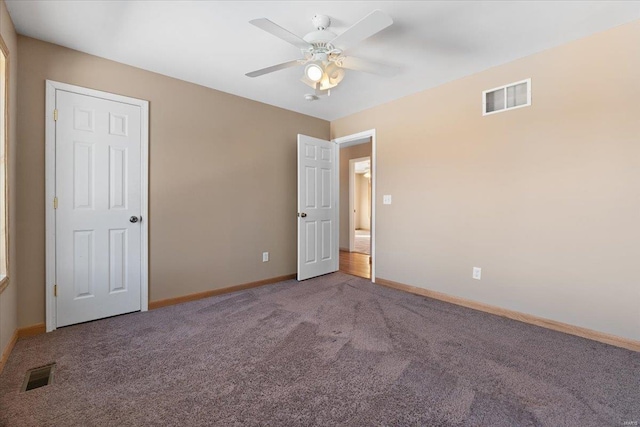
(477, 273)
(386, 199)
(265, 256)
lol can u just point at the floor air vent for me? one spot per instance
(38, 377)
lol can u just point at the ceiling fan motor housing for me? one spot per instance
(319, 37)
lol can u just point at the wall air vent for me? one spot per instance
(507, 97)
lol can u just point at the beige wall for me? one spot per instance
(346, 154)
(222, 177)
(9, 298)
(544, 199)
(362, 202)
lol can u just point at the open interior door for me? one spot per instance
(317, 207)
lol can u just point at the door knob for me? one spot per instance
(302, 215)
(134, 219)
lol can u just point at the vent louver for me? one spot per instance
(38, 377)
(507, 97)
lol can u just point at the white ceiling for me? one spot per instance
(212, 43)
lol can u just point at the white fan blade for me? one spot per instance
(366, 27)
(280, 32)
(273, 68)
(357, 64)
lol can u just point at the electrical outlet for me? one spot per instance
(477, 273)
(386, 199)
(265, 256)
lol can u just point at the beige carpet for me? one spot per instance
(335, 350)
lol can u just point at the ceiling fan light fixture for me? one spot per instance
(314, 72)
(334, 74)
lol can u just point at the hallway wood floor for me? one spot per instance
(355, 263)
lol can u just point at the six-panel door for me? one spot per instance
(98, 187)
(317, 208)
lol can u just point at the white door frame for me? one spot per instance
(50, 184)
(352, 202)
(355, 139)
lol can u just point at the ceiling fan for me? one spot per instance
(323, 50)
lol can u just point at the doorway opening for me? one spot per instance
(357, 204)
(360, 205)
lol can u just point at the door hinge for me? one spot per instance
(55, 203)
(55, 290)
(55, 115)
